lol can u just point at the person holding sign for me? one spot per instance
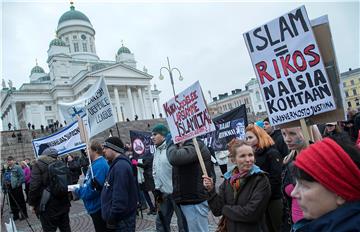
(119, 194)
(268, 159)
(328, 187)
(90, 191)
(243, 196)
(189, 191)
(162, 173)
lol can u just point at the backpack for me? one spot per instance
(59, 178)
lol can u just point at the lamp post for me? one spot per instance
(170, 70)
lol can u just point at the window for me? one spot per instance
(74, 37)
(76, 47)
(260, 107)
(352, 82)
(67, 39)
(91, 47)
(349, 104)
(346, 94)
(50, 121)
(248, 110)
(84, 47)
(257, 96)
(354, 92)
(48, 108)
(230, 106)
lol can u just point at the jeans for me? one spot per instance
(166, 210)
(126, 225)
(197, 216)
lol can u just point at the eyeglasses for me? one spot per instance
(330, 125)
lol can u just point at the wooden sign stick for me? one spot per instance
(201, 161)
(305, 131)
(84, 138)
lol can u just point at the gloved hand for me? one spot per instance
(111, 224)
(157, 195)
(96, 185)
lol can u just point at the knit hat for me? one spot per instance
(332, 167)
(260, 124)
(50, 152)
(115, 144)
(160, 129)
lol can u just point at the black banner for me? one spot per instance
(142, 144)
(229, 125)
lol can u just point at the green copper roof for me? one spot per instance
(37, 69)
(57, 42)
(73, 14)
(123, 50)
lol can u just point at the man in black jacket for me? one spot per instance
(56, 213)
(188, 188)
(276, 135)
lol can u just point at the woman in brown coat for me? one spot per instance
(243, 196)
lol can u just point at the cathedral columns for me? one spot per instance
(15, 116)
(158, 105)
(142, 105)
(151, 101)
(131, 101)
(118, 107)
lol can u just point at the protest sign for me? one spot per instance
(290, 69)
(187, 115)
(142, 144)
(95, 105)
(65, 141)
(229, 125)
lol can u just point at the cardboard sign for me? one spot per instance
(290, 69)
(65, 141)
(187, 115)
(94, 107)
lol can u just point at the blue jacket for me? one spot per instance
(90, 197)
(119, 195)
(13, 176)
(344, 218)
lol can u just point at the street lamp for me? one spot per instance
(170, 70)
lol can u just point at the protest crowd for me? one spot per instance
(294, 179)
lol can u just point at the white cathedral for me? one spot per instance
(73, 67)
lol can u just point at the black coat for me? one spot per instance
(269, 161)
(147, 163)
(188, 185)
(280, 144)
(38, 182)
(245, 211)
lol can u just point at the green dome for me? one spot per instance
(123, 50)
(37, 69)
(57, 42)
(73, 14)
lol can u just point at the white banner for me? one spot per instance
(289, 68)
(64, 141)
(187, 115)
(95, 105)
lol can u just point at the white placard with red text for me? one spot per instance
(289, 68)
(187, 115)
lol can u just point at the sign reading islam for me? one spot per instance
(187, 115)
(289, 67)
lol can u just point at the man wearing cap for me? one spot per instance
(13, 179)
(119, 194)
(162, 173)
(56, 213)
(276, 135)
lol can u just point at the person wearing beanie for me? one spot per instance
(56, 213)
(119, 193)
(162, 173)
(328, 187)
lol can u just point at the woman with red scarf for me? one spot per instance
(243, 196)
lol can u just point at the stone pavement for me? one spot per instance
(80, 221)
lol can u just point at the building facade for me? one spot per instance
(351, 84)
(73, 67)
(251, 97)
